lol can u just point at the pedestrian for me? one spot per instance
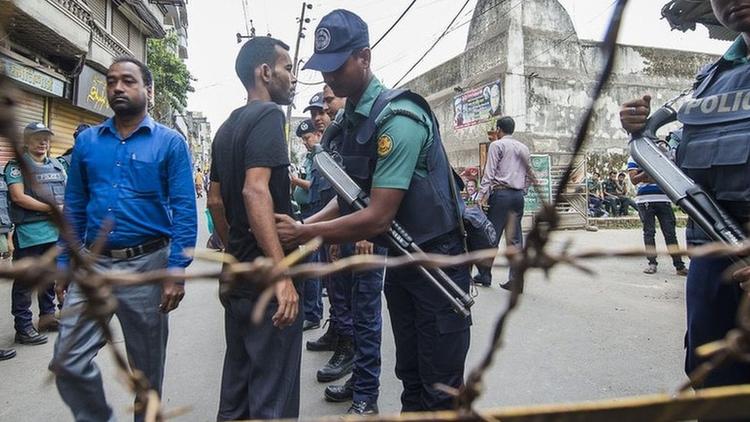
(624, 200)
(312, 300)
(198, 182)
(68, 154)
(135, 174)
(501, 191)
(5, 242)
(653, 204)
(320, 118)
(34, 232)
(260, 379)
(714, 154)
(610, 194)
(401, 164)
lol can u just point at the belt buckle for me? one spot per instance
(119, 253)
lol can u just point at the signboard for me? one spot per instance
(477, 105)
(91, 92)
(541, 166)
(29, 76)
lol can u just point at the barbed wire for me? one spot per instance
(100, 302)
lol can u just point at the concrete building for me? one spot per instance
(58, 50)
(523, 58)
(197, 130)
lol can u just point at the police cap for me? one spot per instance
(338, 35)
(306, 126)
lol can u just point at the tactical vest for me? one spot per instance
(50, 183)
(715, 146)
(428, 209)
(5, 223)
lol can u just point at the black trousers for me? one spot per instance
(261, 364)
(649, 213)
(505, 204)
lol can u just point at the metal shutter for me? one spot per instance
(99, 11)
(120, 27)
(136, 43)
(29, 108)
(64, 119)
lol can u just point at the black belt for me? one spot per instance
(152, 245)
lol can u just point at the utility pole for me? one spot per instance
(295, 69)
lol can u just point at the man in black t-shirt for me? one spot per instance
(249, 183)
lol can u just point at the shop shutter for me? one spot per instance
(99, 11)
(136, 43)
(64, 119)
(29, 108)
(120, 27)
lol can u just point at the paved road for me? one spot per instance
(574, 338)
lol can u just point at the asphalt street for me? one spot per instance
(573, 338)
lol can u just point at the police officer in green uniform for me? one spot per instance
(390, 145)
(715, 152)
(34, 233)
(5, 228)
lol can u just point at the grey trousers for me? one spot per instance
(144, 327)
(261, 364)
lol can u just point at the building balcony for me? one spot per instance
(53, 27)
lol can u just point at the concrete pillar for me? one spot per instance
(515, 79)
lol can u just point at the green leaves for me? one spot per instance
(171, 77)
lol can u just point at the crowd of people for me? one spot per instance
(135, 177)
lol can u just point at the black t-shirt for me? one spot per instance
(252, 136)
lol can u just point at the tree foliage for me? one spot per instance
(171, 77)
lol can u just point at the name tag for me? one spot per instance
(49, 177)
(713, 109)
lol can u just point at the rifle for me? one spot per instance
(682, 190)
(397, 237)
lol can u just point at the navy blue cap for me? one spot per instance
(337, 36)
(36, 127)
(304, 127)
(315, 102)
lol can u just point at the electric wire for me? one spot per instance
(394, 24)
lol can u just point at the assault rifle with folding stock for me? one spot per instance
(399, 240)
(682, 190)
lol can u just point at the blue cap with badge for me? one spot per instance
(306, 126)
(315, 102)
(338, 35)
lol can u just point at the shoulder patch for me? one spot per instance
(15, 171)
(385, 145)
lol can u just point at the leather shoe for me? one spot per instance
(48, 322)
(341, 363)
(6, 354)
(481, 281)
(309, 325)
(682, 271)
(31, 337)
(508, 285)
(326, 343)
(363, 408)
(339, 393)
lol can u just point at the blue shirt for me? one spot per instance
(647, 192)
(142, 184)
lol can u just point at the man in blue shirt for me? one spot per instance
(134, 175)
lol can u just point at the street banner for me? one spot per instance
(477, 105)
(541, 166)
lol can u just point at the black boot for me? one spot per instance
(363, 408)
(341, 363)
(340, 393)
(326, 343)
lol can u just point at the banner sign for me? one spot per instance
(477, 105)
(541, 166)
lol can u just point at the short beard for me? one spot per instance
(132, 109)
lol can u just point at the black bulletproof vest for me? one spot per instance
(428, 209)
(50, 183)
(715, 147)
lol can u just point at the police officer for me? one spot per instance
(67, 156)
(715, 153)
(34, 233)
(312, 303)
(320, 119)
(390, 145)
(5, 228)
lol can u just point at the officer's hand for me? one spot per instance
(633, 114)
(334, 253)
(743, 276)
(172, 293)
(363, 247)
(61, 288)
(288, 300)
(288, 230)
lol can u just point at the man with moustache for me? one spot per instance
(250, 170)
(714, 152)
(135, 174)
(320, 119)
(390, 145)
